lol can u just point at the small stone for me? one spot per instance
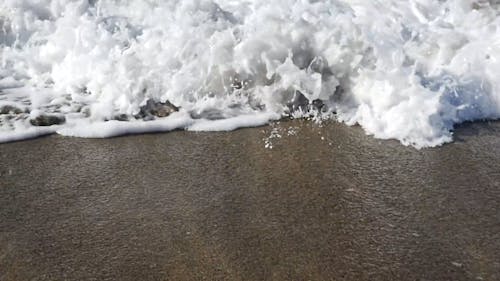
(47, 120)
(6, 109)
(158, 109)
(318, 104)
(121, 117)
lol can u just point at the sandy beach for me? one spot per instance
(326, 202)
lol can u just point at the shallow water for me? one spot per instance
(325, 203)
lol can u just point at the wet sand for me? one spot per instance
(328, 203)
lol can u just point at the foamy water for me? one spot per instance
(408, 70)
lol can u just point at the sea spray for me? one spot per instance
(408, 70)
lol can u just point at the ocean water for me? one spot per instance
(401, 69)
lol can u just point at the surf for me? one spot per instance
(405, 70)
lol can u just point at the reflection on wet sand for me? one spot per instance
(328, 203)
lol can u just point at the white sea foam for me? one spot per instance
(403, 69)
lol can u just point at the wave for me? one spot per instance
(407, 70)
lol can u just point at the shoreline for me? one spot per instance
(43, 132)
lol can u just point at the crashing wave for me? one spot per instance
(402, 69)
